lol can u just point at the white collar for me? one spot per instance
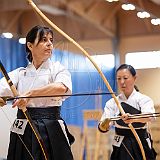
(122, 96)
(45, 65)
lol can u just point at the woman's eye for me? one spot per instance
(125, 78)
(51, 40)
(44, 39)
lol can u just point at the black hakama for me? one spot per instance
(129, 148)
(56, 143)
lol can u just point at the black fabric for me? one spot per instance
(130, 109)
(128, 132)
(129, 142)
(42, 113)
(46, 121)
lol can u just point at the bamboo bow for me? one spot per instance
(35, 8)
(25, 111)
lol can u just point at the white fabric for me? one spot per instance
(29, 78)
(64, 130)
(136, 99)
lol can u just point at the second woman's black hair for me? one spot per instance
(32, 35)
(127, 66)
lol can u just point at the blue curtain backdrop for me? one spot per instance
(12, 54)
(85, 78)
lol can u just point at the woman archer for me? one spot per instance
(41, 77)
(125, 146)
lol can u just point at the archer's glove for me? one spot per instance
(2, 102)
(104, 126)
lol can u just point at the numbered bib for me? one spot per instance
(117, 140)
(19, 126)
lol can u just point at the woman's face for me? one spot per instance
(43, 50)
(126, 81)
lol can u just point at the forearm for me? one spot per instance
(49, 90)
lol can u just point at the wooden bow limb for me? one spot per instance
(35, 8)
(25, 111)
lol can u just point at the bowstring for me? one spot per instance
(128, 151)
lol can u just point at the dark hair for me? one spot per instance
(136, 88)
(32, 35)
(127, 66)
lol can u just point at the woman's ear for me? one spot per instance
(135, 77)
(29, 45)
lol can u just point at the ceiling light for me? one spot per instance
(143, 14)
(128, 7)
(155, 21)
(112, 0)
(7, 35)
(22, 40)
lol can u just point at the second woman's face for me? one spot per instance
(126, 81)
(43, 50)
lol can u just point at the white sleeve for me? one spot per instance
(4, 87)
(63, 76)
(109, 110)
(147, 105)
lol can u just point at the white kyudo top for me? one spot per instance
(29, 78)
(136, 99)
